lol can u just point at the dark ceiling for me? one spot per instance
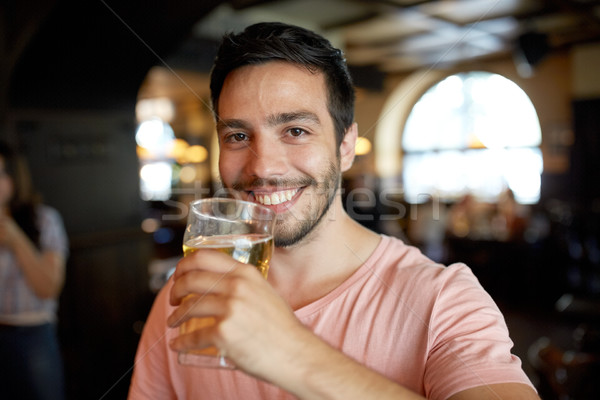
(96, 53)
(91, 54)
(403, 35)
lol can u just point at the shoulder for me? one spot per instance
(407, 271)
(52, 230)
(50, 218)
(393, 256)
(45, 213)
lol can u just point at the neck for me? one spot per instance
(332, 252)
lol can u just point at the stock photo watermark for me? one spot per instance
(361, 204)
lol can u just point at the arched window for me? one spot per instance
(472, 133)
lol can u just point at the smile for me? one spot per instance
(271, 199)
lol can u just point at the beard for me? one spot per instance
(296, 225)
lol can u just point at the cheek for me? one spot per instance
(314, 160)
(230, 167)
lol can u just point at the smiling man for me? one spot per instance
(277, 144)
(346, 313)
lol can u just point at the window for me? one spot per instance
(472, 133)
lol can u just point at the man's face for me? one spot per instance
(277, 144)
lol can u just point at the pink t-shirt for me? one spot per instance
(431, 328)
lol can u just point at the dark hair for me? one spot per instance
(271, 41)
(24, 202)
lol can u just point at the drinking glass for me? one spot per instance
(241, 229)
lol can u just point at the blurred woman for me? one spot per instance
(33, 251)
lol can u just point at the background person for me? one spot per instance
(33, 251)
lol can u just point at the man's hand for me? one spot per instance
(255, 328)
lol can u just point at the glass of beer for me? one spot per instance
(241, 229)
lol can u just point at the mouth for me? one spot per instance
(275, 198)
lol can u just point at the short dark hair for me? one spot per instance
(271, 41)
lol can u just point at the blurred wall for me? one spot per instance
(586, 63)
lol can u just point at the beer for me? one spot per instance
(255, 249)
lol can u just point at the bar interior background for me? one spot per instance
(77, 79)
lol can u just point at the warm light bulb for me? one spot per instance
(160, 107)
(363, 146)
(196, 154)
(187, 174)
(178, 150)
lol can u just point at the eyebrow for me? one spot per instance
(272, 120)
(284, 118)
(232, 124)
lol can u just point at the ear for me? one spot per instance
(347, 147)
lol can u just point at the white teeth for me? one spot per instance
(276, 198)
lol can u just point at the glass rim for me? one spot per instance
(231, 199)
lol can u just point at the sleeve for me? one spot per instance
(53, 236)
(469, 340)
(151, 374)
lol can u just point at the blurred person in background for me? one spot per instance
(33, 252)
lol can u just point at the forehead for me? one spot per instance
(275, 85)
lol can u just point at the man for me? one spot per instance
(346, 313)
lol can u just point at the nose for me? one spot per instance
(266, 158)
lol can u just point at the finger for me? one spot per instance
(196, 307)
(206, 259)
(194, 340)
(196, 282)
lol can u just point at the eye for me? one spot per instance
(236, 137)
(297, 132)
